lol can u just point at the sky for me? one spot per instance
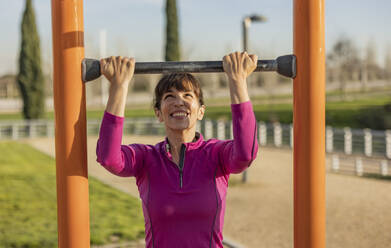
(208, 28)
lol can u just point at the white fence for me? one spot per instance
(366, 142)
(357, 165)
(344, 141)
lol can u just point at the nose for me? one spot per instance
(179, 101)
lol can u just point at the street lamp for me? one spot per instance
(246, 24)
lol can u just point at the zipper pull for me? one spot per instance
(181, 176)
(181, 163)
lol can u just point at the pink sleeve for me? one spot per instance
(237, 154)
(119, 159)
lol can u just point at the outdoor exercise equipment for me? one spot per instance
(308, 118)
(284, 65)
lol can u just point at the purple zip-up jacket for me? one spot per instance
(183, 204)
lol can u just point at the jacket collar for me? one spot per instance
(196, 143)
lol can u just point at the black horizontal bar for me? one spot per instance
(194, 66)
(284, 65)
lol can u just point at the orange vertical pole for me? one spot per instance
(70, 120)
(309, 125)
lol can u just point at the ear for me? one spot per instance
(201, 112)
(158, 114)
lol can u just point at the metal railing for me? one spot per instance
(346, 141)
(366, 142)
(360, 166)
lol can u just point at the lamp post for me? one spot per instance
(246, 23)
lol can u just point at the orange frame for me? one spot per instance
(309, 124)
(71, 136)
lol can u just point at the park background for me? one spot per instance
(358, 82)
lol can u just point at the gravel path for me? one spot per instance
(260, 213)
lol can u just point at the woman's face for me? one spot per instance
(180, 110)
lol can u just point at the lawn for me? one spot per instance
(28, 216)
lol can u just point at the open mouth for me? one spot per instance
(179, 114)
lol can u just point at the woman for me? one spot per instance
(182, 180)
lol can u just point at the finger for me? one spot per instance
(254, 58)
(109, 69)
(132, 60)
(102, 65)
(106, 60)
(112, 61)
(225, 62)
(131, 63)
(252, 63)
(118, 61)
(124, 62)
(243, 57)
(107, 63)
(237, 56)
(232, 56)
(238, 60)
(227, 59)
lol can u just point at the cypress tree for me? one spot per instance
(172, 36)
(30, 78)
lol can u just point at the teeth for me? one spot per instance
(179, 114)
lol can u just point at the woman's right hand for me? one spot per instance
(119, 71)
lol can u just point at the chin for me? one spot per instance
(179, 126)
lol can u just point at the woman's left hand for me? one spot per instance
(238, 66)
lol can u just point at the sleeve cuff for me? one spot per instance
(113, 118)
(240, 107)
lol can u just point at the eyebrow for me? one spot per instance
(187, 91)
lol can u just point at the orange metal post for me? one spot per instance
(309, 125)
(70, 120)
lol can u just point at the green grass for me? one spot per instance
(28, 216)
(10, 116)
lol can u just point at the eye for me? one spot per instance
(167, 96)
(188, 94)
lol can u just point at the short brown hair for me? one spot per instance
(180, 82)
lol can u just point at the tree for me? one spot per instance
(372, 67)
(343, 62)
(30, 78)
(387, 64)
(172, 36)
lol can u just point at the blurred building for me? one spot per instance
(9, 87)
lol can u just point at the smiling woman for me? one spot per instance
(178, 103)
(182, 180)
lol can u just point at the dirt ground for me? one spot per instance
(259, 214)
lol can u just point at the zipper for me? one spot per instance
(181, 164)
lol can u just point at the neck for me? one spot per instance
(177, 137)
